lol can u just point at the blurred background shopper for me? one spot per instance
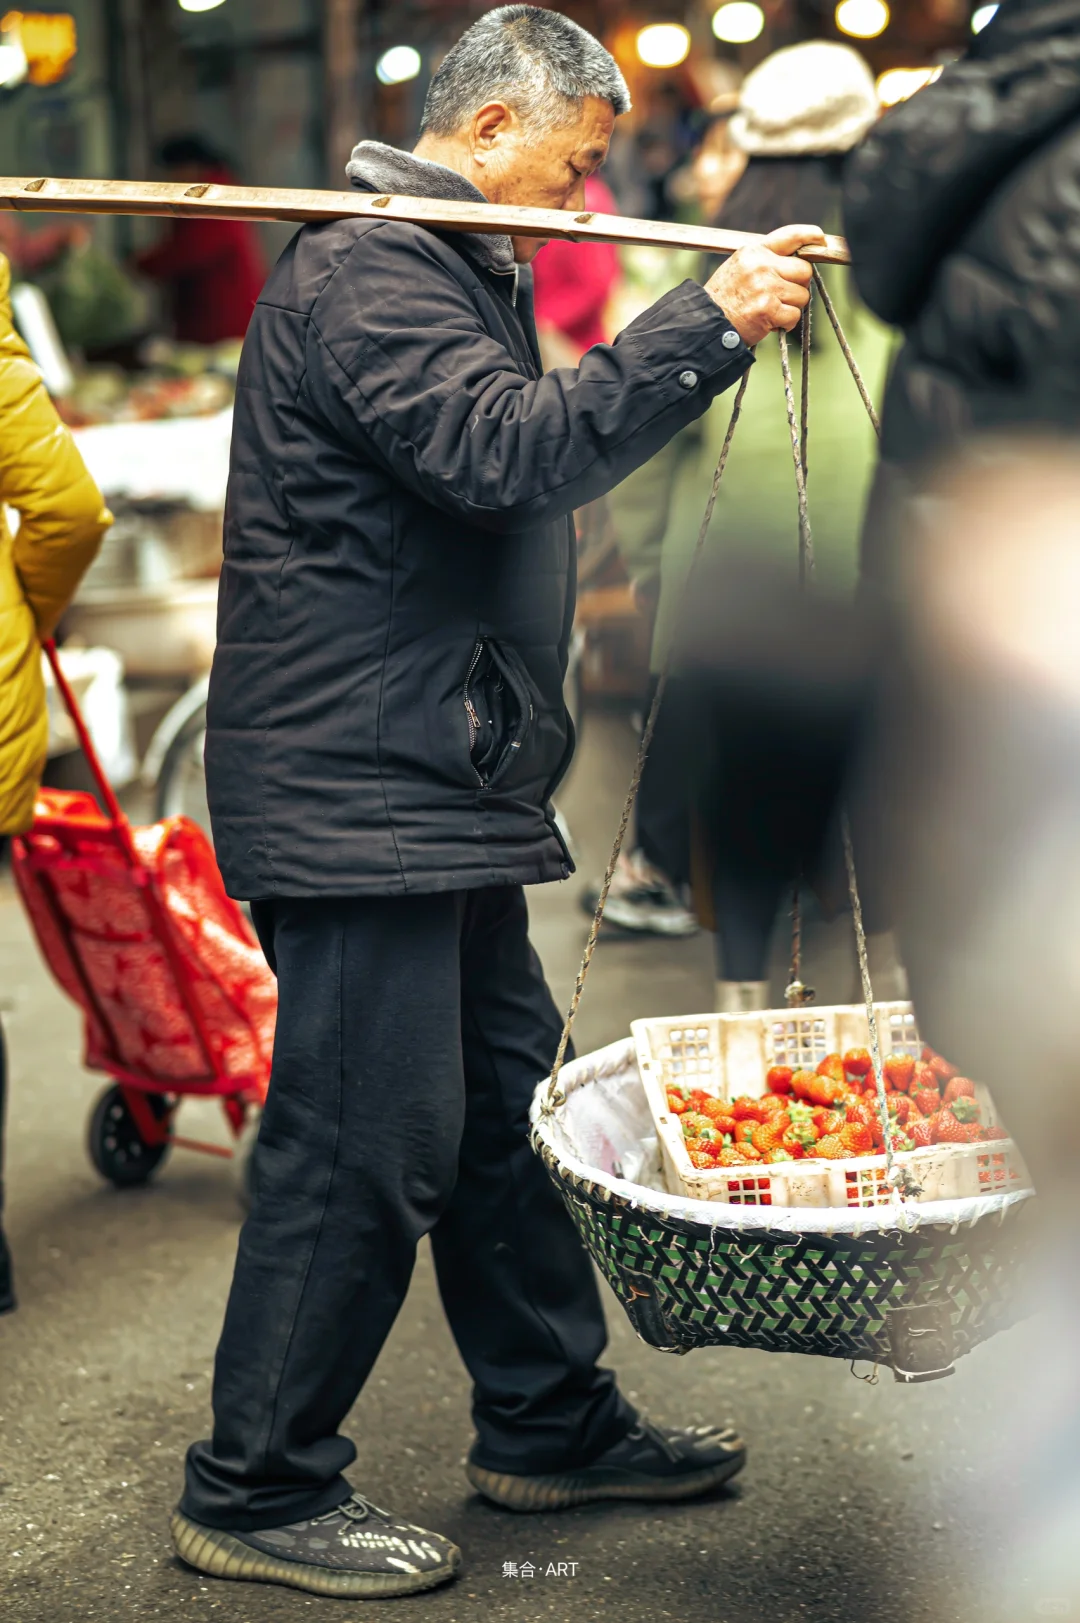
(59, 521)
(211, 271)
(717, 750)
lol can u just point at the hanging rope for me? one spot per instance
(796, 994)
(806, 539)
(899, 1181)
(864, 392)
(553, 1098)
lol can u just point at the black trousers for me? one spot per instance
(663, 801)
(411, 1035)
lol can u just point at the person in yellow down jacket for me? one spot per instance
(52, 518)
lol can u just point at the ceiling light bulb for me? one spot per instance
(399, 63)
(738, 22)
(199, 5)
(863, 19)
(663, 45)
(981, 17)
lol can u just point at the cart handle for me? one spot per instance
(71, 705)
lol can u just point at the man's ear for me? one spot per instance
(490, 126)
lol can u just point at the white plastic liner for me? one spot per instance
(603, 1133)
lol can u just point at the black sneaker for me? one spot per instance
(351, 1552)
(651, 1462)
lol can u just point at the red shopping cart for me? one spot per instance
(176, 996)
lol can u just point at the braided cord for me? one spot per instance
(554, 1097)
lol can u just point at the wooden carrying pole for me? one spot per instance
(269, 203)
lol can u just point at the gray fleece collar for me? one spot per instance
(375, 167)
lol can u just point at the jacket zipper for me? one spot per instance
(470, 708)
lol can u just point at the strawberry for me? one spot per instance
(947, 1130)
(710, 1135)
(698, 1097)
(927, 1101)
(828, 1121)
(856, 1138)
(716, 1109)
(830, 1148)
(731, 1158)
(801, 1083)
(898, 1071)
(922, 1133)
(857, 1062)
(693, 1122)
(774, 1156)
(750, 1152)
(747, 1109)
(965, 1109)
(961, 1087)
(797, 1140)
(924, 1077)
(778, 1079)
(676, 1103)
(832, 1066)
(773, 1104)
(702, 1160)
(769, 1136)
(744, 1132)
(827, 1091)
(901, 1142)
(991, 1133)
(901, 1108)
(942, 1069)
(972, 1131)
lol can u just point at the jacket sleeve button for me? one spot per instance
(688, 380)
(730, 339)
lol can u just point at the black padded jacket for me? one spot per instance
(386, 711)
(963, 212)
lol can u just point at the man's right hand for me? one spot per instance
(765, 287)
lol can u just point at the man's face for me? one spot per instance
(547, 172)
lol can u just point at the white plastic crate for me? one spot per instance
(729, 1054)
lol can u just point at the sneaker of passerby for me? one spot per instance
(642, 900)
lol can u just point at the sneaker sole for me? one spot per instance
(220, 1555)
(563, 1491)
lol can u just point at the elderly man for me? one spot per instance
(386, 730)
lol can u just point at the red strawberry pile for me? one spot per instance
(832, 1113)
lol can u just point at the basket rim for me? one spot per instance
(901, 1217)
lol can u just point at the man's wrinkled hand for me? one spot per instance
(765, 287)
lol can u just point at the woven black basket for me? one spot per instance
(912, 1298)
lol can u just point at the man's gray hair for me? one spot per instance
(539, 62)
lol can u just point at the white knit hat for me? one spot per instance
(815, 97)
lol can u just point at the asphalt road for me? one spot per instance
(860, 1502)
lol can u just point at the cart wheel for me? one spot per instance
(243, 1169)
(116, 1146)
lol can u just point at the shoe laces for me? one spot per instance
(645, 1428)
(354, 1509)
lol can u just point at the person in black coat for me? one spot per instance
(962, 212)
(385, 731)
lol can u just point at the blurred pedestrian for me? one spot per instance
(61, 519)
(212, 270)
(963, 219)
(648, 892)
(386, 727)
(799, 115)
(573, 286)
